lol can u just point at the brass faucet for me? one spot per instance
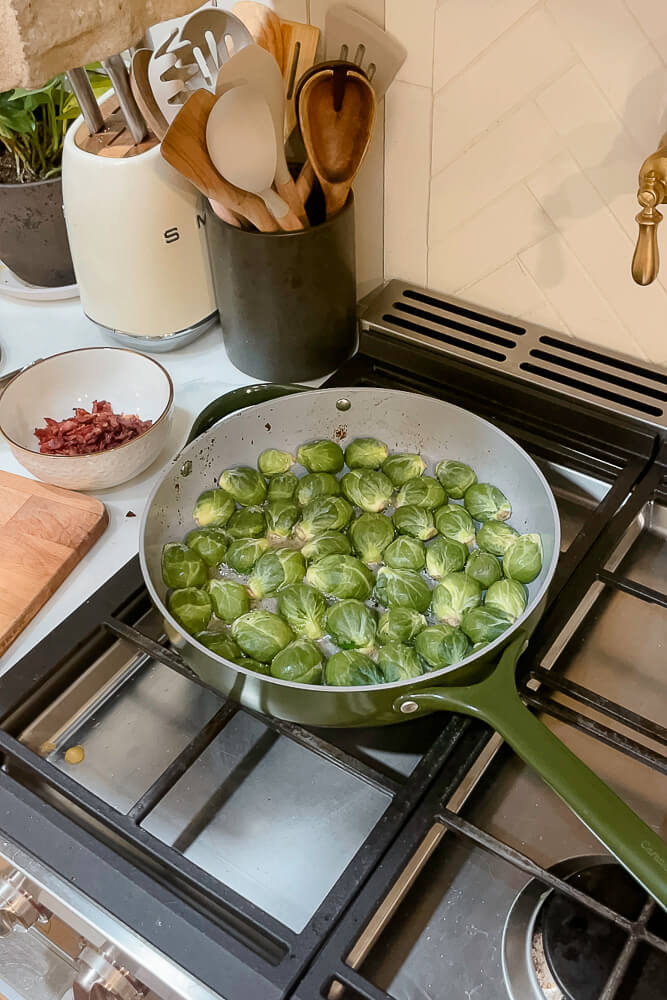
(652, 192)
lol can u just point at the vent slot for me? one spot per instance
(577, 366)
(430, 300)
(406, 324)
(620, 363)
(452, 324)
(591, 390)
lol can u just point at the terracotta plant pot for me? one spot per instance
(33, 237)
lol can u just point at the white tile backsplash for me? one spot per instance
(412, 23)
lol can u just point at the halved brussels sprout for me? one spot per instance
(281, 516)
(272, 462)
(220, 643)
(250, 664)
(275, 570)
(229, 599)
(455, 476)
(321, 456)
(367, 488)
(282, 487)
(329, 543)
(405, 553)
(485, 502)
(398, 662)
(314, 485)
(243, 553)
(351, 668)
(351, 625)
(301, 661)
(371, 534)
(453, 521)
(191, 608)
(496, 537)
(323, 514)
(523, 559)
(422, 492)
(442, 645)
(342, 577)
(453, 596)
(485, 624)
(182, 566)
(261, 634)
(209, 543)
(445, 556)
(303, 608)
(509, 596)
(484, 568)
(400, 625)
(402, 588)
(245, 485)
(365, 453)
(414, 521)
(213, 509)
(400, 468)
(249, 522)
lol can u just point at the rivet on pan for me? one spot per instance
(186, 468)
(408, 707)
(343, 404)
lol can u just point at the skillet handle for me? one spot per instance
(239, 399)
(495, 700)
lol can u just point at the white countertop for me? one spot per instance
(201, 371)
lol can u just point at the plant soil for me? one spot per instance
(8, 172)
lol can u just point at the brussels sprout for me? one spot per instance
(422, 492)
(398, 662)
(303, 608)
(261, 634)
(282, 487)
(209, 543)
(281, 516)
(213, 509)
(453, 521)
(229, 599)
(250, 664)
(247, 523)
(243, 553)
(496, 537)
(182, 566)
(455, 477)
(402, 467)
(220, 643)
(414, 521)
(485, 624)
(351, 625)
(245, 485)
(323, 514)
(405, 553)
(441, 645)
(342, 577)
(191, 608)
(275, 463)
(350, 667)
(314, 485)
(402, 588)
(367, 488)
(371, 534)
(301, 661)
(485, 502)
(507, 595)
(445, 556)
(329, 543)
(321, 456)
(400, 625)
(454, 595)
(365, 453)
(523, 559)
(275, 570)
(484, 568)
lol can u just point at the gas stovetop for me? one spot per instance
(207, 851)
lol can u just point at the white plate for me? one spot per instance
(12, 285)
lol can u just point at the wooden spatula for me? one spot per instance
(264, 26)
(143, 94)
(299, 50)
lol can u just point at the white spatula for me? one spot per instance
(354, 38)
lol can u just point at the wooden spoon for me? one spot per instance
(143, 94)
(184, 147)
(336, 113)
(264, 26)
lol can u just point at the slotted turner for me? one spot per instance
(354, 38)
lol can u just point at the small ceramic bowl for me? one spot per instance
(131, 382)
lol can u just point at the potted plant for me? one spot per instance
(33, 123)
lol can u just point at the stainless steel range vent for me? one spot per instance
(533, 353)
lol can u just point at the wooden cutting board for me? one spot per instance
(44, 532)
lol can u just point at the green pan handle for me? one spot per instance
(495, 700)
(239, 399)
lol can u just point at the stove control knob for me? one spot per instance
(17, 907)
(101, 978)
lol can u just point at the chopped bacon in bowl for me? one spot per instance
(87, 433)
